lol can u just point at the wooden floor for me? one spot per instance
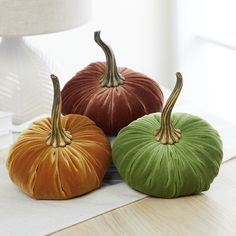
(212, 213)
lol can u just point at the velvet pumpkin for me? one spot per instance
(112, 97)
(166, 155)
(59, 157)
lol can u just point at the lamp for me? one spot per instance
(24, 85)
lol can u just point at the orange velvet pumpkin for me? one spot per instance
(59, 157)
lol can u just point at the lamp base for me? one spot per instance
(25, 85)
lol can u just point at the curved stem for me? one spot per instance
(167, 134)
(111, 78)
(58, 137)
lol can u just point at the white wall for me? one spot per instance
(137, 30)
(191, 53)
(207, 54)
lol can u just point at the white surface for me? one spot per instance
(5, 121)
(6, 139)
(21, 215)
(29, 17)
(3, 155)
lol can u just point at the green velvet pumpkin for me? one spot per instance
(168, 155)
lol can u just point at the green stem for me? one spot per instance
(167, 134)
(111, 78)
(58, 136)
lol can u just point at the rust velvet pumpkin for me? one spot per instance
(112, 97)
(59, 157)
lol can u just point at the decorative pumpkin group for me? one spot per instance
(160, 154)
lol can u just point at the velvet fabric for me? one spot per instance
(45, 172)
(115, 107)
(165, 170)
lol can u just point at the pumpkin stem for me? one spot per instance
(58, 137)
(111, 78)
(167, 134)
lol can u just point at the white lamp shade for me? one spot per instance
(30, 17)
